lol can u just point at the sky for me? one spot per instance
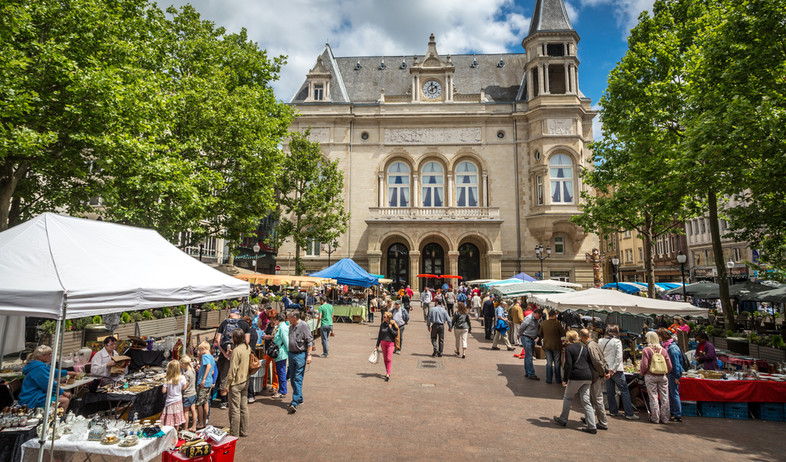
(299, 30)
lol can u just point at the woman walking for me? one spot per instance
(655, 365)
(281, 338)
(578, 374)
(237, 383)
(611, 346)
(388, 334)
(461, 327)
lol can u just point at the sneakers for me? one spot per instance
(560, 422)
(292, 409)
(323, 355)
(632, 417)
(223, 405)
(533, 377)
(591, 431)
(251, 399)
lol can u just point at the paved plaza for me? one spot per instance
(478, 408)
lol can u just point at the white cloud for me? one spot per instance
(300, 28)
(625, 11)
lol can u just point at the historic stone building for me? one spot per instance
(457, 164)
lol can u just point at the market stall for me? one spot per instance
(63, 268)
(613, 301)
(349, 273)
(737, 391)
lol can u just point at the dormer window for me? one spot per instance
(319, 92)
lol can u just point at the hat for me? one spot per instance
(235, 311)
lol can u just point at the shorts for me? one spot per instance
(203, 395)
(189, 401)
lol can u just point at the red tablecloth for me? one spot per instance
(763, 366)
(738, 391)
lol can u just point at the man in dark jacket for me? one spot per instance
(551, 332)
(488, 316)
(600, 371)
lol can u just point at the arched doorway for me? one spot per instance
(433, 262)
(398, 265)
(469, 262)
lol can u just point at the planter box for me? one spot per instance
(753, 350)
(738, 346)
(124, 331)
(209, 319)
(721, 343)
(772, 355)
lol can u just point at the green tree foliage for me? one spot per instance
(310, 192)
(166, 117)
(636, 185)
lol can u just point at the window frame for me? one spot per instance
(467, 186)
(564, 183)
(402, 190)
(429, 190)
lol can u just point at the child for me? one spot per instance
(204, 383)
(173, 387)
(189, 394)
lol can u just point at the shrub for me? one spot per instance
(777, 341)
(125, 318)
(147, 315)
(166, 312)
(97, 320)
(48, 327)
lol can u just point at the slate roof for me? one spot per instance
(363, 85)
(549, 15)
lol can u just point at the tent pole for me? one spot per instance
(48, 402)
(5, 336)
(186, 337)
(60, 363)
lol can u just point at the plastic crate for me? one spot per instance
(737, 411)
(769, 411)
(690, 409)
(711, 409)
(224, 451)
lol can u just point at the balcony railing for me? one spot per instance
(433, 213)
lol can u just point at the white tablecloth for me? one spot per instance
(147, 449)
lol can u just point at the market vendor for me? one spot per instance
(705, 353)
(34, 385)
(102, 362)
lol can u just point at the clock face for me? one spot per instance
(432, 89)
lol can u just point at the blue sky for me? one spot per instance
(300, 28)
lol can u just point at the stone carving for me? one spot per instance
(320, 134)
(433, 135)
(559, 126)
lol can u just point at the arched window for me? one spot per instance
(433, 185)
(466, 185)
(398, 185)
(561, 172)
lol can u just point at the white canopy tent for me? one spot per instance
(62, 267)
(613, 301)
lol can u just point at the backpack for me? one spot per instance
(226, 335)
(461, 297)
(658, 363)
(405, 316)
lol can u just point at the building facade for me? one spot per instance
(457, 164)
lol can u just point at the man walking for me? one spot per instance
(325, 321)
(435, 323)
(551, 333)
(501, 326)
(300, 342)
(401, 317)
(528, 334)
(488, 316)
(425, 300)
(600, 371)
(516, 316)
(450, 300)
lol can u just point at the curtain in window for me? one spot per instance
(392, 197)
(426, 197)
(473, 197)
(438, 197)
(556, 196)
(568, 189)
(460, 201)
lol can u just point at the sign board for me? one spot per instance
(278, 269)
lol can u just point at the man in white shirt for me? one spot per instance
(425, 300)
(101, 364)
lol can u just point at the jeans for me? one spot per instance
(297, 368)
(450, 310)
(674, 398)
(325, 333)
(424, 305)
(529, 350)
(281, 371)
(553, 359)
(596, 397)
(618, 380)
(438, 337)
(582, 387)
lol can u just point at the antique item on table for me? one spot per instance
(138, 343)
(196, 448)
(96, 430)
(129, 441)
(110, 439)
(121, 362)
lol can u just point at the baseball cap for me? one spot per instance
(235, 311)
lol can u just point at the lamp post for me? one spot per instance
(682, 258)
(595, 257)
(729, 266)
(329, 248)
(541, 257)
(256, 256)
(616, 263)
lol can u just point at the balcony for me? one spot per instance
(420, 214)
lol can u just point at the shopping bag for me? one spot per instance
(374, 356)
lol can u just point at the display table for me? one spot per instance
(348, 311)
(11, 441)
(142, 358)
(144, 404)
(77, 383)
(733, 391)
(744, 361)
(147, 449)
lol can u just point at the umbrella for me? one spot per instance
(450, 276)
(526, 288)
(428, 276)
(751, 290)
(773, 295)
(525, 277)
(698, 290)
(626, 287)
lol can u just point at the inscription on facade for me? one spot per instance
(432, 135)
(320, 134)
(559, 127)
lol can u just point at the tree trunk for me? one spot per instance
(9, 179)
(298, 269)
(720, 265)
(649, 256)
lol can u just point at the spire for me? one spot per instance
(549, 15)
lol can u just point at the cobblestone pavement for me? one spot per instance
(481, 407)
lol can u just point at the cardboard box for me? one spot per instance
(539, 353)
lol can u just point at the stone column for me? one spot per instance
(449, 195)
(576, 77)
(417, 88)
(414, 270)
(541, 85)
(530, 86)
(415, 202)
(453, 257)
(485, 190)
(568, 88)
(374, 261)
(495, 264)
(546, 79)
(381, 192)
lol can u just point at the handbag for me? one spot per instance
(253, 364)
(374, 356)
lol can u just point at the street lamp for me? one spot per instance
(541, 257)
(729, 266)
(682, 258)
(256, 256)
(329, 248)
(616, 263)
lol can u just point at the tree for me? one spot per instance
(635, 186)
(310, 196)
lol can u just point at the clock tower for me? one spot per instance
(432, 79)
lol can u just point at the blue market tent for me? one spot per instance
(525, 277)
(346, 271)
(626, 287)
